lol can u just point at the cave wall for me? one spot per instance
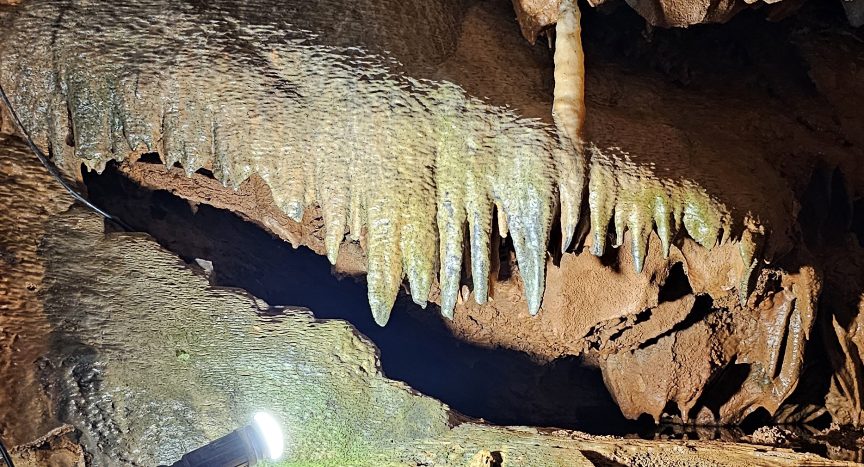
(700, 162)
(141, 359)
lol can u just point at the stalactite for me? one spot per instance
(568, 106)
(568, 111)
(411, 167)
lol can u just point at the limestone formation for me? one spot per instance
(408, 166)
(147, 360)
(707, 225)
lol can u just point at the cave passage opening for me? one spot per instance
(498, 385)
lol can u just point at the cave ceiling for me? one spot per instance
(669, 190)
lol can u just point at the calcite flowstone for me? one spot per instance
(423, 173)
(146, 360)
(433, 159)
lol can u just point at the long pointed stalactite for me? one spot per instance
(411, 168)
(143, 356)
(680, 206)
(568, 112)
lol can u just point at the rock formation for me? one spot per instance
(146, 360)
(438, 162)
(690, 239)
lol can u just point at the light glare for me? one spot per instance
(272, 434)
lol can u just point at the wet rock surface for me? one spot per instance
(501, 386)
(147, 359)
(715, 270)
(415, 169)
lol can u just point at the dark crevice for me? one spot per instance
(205, 172)
(150, 158)
(626, 324)
(646, 420)
(676, 285)
(671, 411)
(756, 419)
(822, 422)
(501, 386)
(721, 388)
(642, 316)
(599, 460)
(554, 243)
(609, 258)
(505, 264)
(702, 307)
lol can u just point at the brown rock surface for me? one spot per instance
(735, 119)
(124, 284)
(711, 132)
(534, 16)
(24, 331)
(57, 448)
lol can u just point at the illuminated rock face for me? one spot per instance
(417, 141)
(146, 360)
(411, 166)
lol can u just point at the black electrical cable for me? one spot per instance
(6, 457)
(52, 169)
(56, 174)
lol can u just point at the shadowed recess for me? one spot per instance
(501, 386)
